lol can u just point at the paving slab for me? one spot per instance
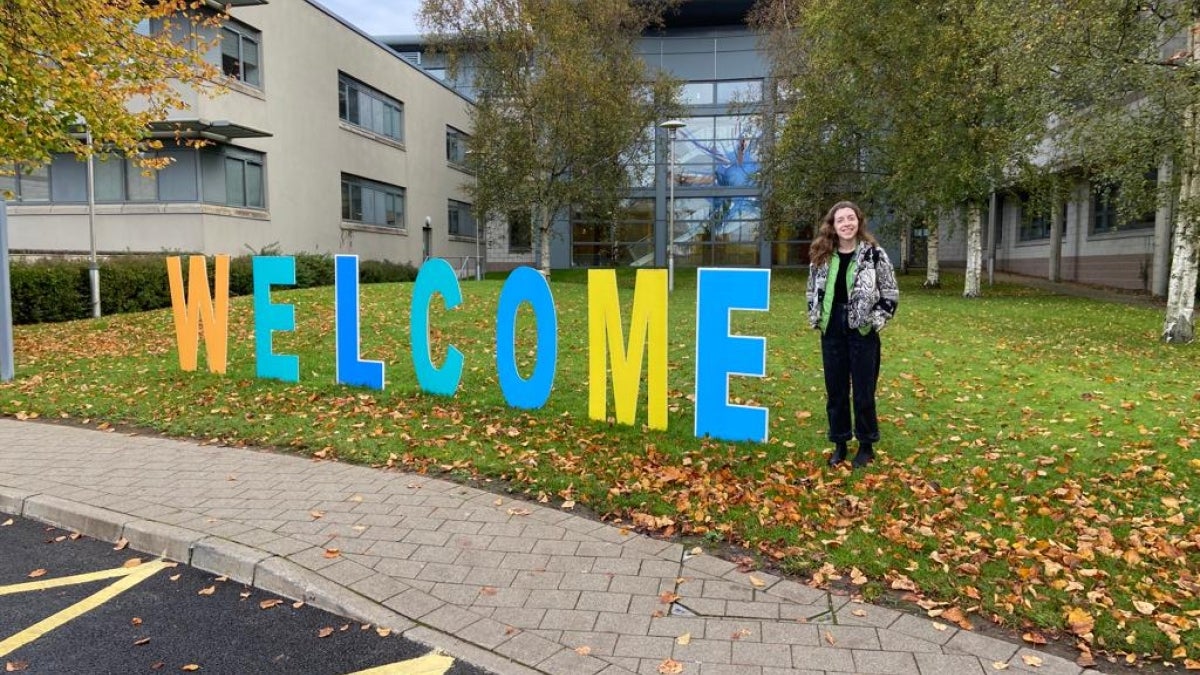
(510, 586)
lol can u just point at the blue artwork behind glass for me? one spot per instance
(732, 153)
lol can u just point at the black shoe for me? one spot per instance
(839, 455)
(865, 455)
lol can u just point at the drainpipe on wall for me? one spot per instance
(993, 218)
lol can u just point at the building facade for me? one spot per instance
(332, 141)
(325, 142)
(717, 194)
(1096, 245)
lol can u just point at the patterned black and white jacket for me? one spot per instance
(873, 293)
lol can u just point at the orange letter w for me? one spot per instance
(189, 317)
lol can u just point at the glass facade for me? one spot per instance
(623, 238)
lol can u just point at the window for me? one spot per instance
(239, 53)
(365, 107)
(372, 203)
(720, 151)
(1035, 220)
(520, 232)
(232, 176)
(723, 92)
(697, 93)
(1105, 216)
(459, 217)
(623, 237)
(25, 184)
(121, 180)
(739, 91)
(456, 146)
(243, 182)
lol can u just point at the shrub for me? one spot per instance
(385, 272)
(49, 291)
(133, 284)
(59, 290)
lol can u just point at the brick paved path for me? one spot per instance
(508, 585)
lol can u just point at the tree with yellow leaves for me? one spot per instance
(115, 65)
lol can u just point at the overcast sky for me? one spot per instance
(378, 17)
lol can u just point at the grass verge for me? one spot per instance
(1038, 465)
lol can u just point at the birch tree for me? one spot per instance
(63, 62)
(916, 105)
(1179, 323)
(1128, 96)
(563, 102)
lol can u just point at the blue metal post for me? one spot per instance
(6, 315)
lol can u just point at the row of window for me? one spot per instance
(214, 174)
(370, 109)
(722, 91)
(358, 103)
(364, 107)
(217, 175)
(370, 202)
(1035, 225)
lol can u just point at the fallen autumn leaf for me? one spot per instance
(670, 667)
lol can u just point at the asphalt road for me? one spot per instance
(69, 604)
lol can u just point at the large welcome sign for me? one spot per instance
(720, 354)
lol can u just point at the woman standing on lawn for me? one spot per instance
(852, 293)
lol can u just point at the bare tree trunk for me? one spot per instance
(1181, 292)
(974, 251)
(932, 272)
(545, 219)
(1162, 233)
(905, 245)
(1178, 325)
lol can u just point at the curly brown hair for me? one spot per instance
(826, 239)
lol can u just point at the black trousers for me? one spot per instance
(851, 362)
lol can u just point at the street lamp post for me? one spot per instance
(468, 156)
(93, 266)
(671, 126)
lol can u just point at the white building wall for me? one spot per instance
(302, 50)
(1116, 259)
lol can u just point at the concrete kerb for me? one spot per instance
(166, 541)
(243, 564)
(92, 521)
(12, 500)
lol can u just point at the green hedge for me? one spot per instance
(59, 290)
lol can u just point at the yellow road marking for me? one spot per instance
(130, 578)
(44, 584)
(432, 663)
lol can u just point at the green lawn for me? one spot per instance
(1039, 461)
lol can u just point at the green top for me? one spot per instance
(835, 262)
